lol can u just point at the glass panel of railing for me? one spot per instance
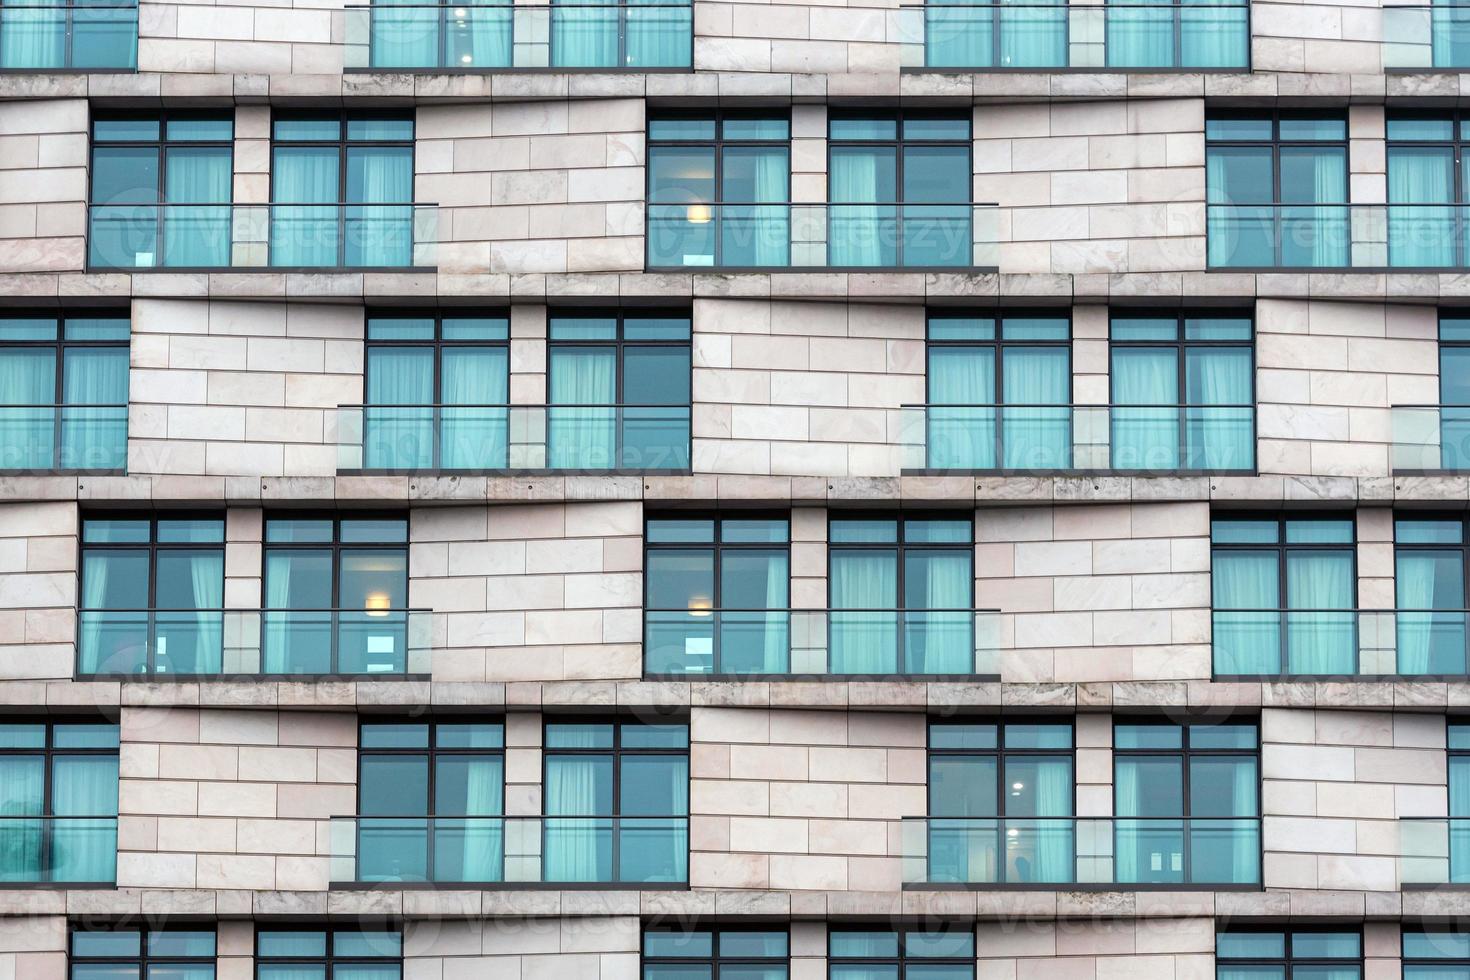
(1435, 36)
(1193, 850)
(63, 438)
(101, 35)
(1434, 851)
(71, 850)
(1420, 235)
(1341, 643)
(1431, 438)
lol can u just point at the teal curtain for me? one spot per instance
(94, 424)
(578, 834)
(1126, 832)
(1214, 34)
(863, 641)
(22, 794)
(657, 36)
(584, 34)
(755, 234)
(1450, 33)
(84, 787)
(1429, 641)
(1145, 438)
(196, 225)
(1314, 215)
(1036, 438)
(27, 431)
(962, 437)
(859, 233)
(396, 437)
(937, 622)
(1053, 851)
(378, 214)
(405, 33)
(1033, 33)
(582, 436)
(474, 437)
(1246, 643)
(32, 38)
(1140, 34)
(959, 34)
(1459, 802)
(468, 827)
(1320, 642)
(1421, 237)
(304, 212)
(480, 39)
(1218, 438)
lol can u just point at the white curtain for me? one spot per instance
(586, 37)
(1036, 438)
(1055, 852)
(777, 646)
(1245, 841)
(1420, 631)
(582, 436)
(1421, 237)
(863, 642)
(1459, 789)
(405, 34)
(772, 224)
(196, 225)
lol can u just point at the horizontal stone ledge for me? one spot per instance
(935, 697)
(469, 904)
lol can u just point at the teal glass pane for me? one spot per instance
(1420, 129)
(663, 944)
(357, 531)
(106, 943)
(380, 129)
(570, 735)
(850, 530)
(1222, 736)
(1408, 531)
(654, 736)
(1250, 945)
(846, 944)
(1237, 128)
(757, 128)
(1143, 328)
(1308, 128)
(937, 532)
(1244, 530)
(220, 130)
(859, 128)
(1433, 945)
(939, 945)
(1454, 328)
(303, 130)
(470, 736)
(125, 130)
(22, 736)
(961, 328)
(272, 944)
(394, 736)
(665, 128)
(84, 736)
(1326, 945)
(753, 945)
(366, 943)
(962, 736)
(1023, 735)
(476, 328)
(181, 943)
(1131, 736)
(936, 128)
(1319, 532)
(737, 531)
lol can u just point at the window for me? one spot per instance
(1186, 36)
(336, 592)
(1304, 954)
(95, 34)
(1453, 433)
(1001, 802)
(902, 594)
(327, 954)
(620, 35)
(1458, 742)
(58, 786)
(900, 190)
(152, 595)
(1424, 188)
(718, 187)
(115, 954)
(64, 404)
(717, 594)
(1187, 803)
(1277, 584)
(437, 389)
(715, 954)
(1276, 190)
(863, 954)
(1183, 392)
(1435, 954)
(161, 190)
(342, 191)
(619, 387)
(979, 363)
(1429, 594)
(617, 802)
(985, 37)
(430, 800)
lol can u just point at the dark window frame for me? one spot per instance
(153, 546)
(1462, 546)
(997, 343)
(60, 346)
(48, 753)
(902, 960)
(336, 546)
(715, 961)
(330, 959)
(143, 960)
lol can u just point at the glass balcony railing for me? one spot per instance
(478, 36)
(693, 235)
(249, 236)
(61, 850)
(1430, 438)
(1202, 36)
(63, 438)
(1434, 851)
(1426, 37)
(1078, 438)
(162, 643)
(496, 438)
(1338, 236)
(1346, 643)
(1045, 852)
(626, 850)
(101, 35)
(690, 643)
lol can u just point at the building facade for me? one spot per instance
(798, 490)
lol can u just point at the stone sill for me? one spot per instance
(143, 88)
(915, 287)
(63, 696)
(1005, 906)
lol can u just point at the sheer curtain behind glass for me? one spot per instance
(861, 234)
(85, 788)
(1036, 438)
(95, 437)
(579, 797)
(1249, 642)
(399, 436)
(196, 227)
(1145, 437)
(962, 437)
(1218, 438)
(1418, 236)
(405, 33)
(22, 794)
(863, 642)
(304, 213)
(581, 435)
(474, 437)
(378, 218)
(27, 428)
(584, 33)
(32, 38)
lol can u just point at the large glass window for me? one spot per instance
(900, 190)
(1186, 803)
(1426, 187)
(58, 802)
(620, 34)
(886, 954)
(1454, 394)
(342, 191)
(327, 954)
(902, 594)
(1183, 392)
(1276, 189)
(718, 187)
(152, 595)
(161, 190)
(87, 34)
(1189, 34)
(142, 954)
(430, 798)
(1283, 593)
(437, 389)
(1001, 800)
(619, 390)
(1300, 954)
(336, 595)
(717, 593)
(1429, 594)
(999, 390)
(995, 35)
(64, 392)
(715, 954)
(617, 802)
